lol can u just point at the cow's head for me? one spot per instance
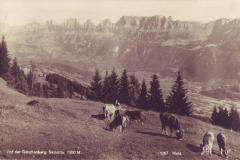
(117, 113)
(201, 149)
(117, 103)
(180, 134)
(226, 152)
(125, 121)
(204, 149)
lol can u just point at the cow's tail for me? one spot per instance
(104, 107)
(104, 112)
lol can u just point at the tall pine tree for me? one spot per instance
(4, 59)
(30, 81)
(96, 86)
(234, 119)
(134, 90)
(177, 101)
(31, 78)
(143, 97)
(124, 88)
(17, 78)
(106, 88)
(215, 117)
(155, 95)
(113, 93)
(15, 71)
(223, 117)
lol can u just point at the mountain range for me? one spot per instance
(202, 51)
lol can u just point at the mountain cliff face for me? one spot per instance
(203, 51)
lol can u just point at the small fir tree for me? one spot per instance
(234, 119)
(214, 116)
(143, 97)
(113, 92)
(106, 87)
(96, 86)
(155, 95)
(134, 90)
(124, 88)
(4, 59)
(177, 101)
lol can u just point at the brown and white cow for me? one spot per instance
(136, 116)
(207, 145)
(119, 121)
(110, 109)
(221, 140)
(169, 120)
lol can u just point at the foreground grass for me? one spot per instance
(68, 125)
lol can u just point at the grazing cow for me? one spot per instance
(136, 116)
(119, 121)
(207, 145)
(110, 109)
(221, 140)
(169, 120)
(180, 134)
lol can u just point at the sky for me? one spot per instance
(17, 12)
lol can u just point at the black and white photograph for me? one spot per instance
(120, 80)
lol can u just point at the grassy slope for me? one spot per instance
(65, 124)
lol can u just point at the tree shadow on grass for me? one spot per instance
(153, 134)
(98, 116)
(193, 148)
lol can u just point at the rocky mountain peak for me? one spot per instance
(154, 44)
(129, 21)
(71, 23)
(105, 25)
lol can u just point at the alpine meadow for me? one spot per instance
(120, 80)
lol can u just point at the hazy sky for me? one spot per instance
(25, 11)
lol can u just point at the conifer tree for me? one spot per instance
(18, 78)
(143, 97)
(214, 116)
(155, 95)
(22, 85)
(96, 86)
(226, 120)
(31, 78)
(30, 81)
(113, 92)
(234, 119)
(223, 117)
(15, 69)
(106, 88)
(177, 101)
(124, 88)
(229, 120)
(134, 90)
(4, 59)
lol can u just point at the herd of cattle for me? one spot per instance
(119, 117)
